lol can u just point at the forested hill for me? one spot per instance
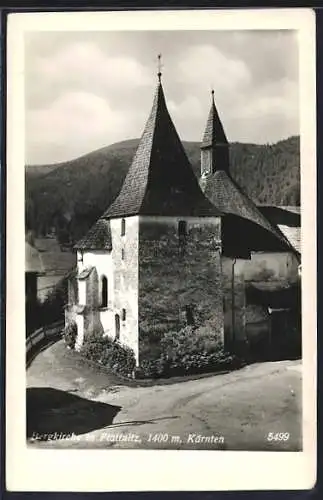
(70, 196)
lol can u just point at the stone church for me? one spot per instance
(171, 251)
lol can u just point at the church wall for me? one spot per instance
(102, 261)
(97, 318)
(176, 272)
(125, 279)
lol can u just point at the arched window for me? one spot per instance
(104, 291)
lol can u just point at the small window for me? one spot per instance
(104, 291)
(189, 315)
(182, 233)
(80, 257)
(123, 315)
(182, 229)
(122, 253)
(123, 227)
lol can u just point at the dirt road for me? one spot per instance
(255, 408)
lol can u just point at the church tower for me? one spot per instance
(214, 147)
(157, 248)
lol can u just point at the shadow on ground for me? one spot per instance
(51, 411)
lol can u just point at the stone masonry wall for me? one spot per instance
(177, 272)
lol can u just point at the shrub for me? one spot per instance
(186, 352)
(109, 353)
(70, 334)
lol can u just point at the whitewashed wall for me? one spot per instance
(125, 276)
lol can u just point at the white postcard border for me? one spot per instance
(151, 470)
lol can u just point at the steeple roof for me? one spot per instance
(214, 132)
(160, 180)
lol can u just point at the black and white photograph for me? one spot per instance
(163, 239)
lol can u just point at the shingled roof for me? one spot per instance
(288, 221)
(160, 180)
(293, 234)
(228, 196)
(97, 238)
(214, 131)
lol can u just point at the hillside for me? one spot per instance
(70, 196)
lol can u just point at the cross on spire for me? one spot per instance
(159, 74)
(212, 91)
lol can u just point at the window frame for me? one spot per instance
(182, 236)
(104, 299)
(189, 314)
(123, 227)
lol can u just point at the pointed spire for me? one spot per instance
(214, 133)
(160, 180)
(214, 147)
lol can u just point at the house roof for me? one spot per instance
(293, 234)
(288, 221)
(97, 238)
(214, 131)
(33, 261)
(227, 195)
(287, 216)
(160, 180)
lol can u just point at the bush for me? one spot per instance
(70, 334)
(109, 353)
(188, 352)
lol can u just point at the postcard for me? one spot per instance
(161, 251)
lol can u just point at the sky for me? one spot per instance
(86, 90)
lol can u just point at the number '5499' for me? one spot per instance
(277, 436)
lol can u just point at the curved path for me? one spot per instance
(70, 404)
